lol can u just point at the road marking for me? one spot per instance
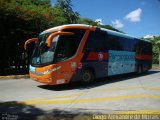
(93, 92)
(57, 97)
(141, 112)
(58, 100)
(130, 88)
(103, 90)
(89, 100)
(152, 88)
(117, 89)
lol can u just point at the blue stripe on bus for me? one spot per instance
(121, 62)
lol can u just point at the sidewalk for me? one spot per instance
(155, 67)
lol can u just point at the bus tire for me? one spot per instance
(87, 77)
(139, 70)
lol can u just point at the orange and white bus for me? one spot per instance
(77, 52)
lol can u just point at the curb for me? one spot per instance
(27, 75)
(14, 76)
(155, 68)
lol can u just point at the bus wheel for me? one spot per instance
(88, 76)
(139, 71)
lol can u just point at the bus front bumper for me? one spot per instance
(50, 79)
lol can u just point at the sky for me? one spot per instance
(137, 18)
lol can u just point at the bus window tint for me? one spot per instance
(68, 44)
(112, 43)
(146, 47)
(95, 41)
(128, 44)
(124, 43)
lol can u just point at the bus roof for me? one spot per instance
(111, 32)
(84, 26)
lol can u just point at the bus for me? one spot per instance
(78, 52)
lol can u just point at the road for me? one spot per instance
(122, 94)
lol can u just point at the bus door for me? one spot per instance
(66, 52)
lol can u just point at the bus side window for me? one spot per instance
(112, 43)
(138, 49)
(95, 41)
(68, 44)
(146, 48)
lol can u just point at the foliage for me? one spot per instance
(89, 21)
(155, 48)
(20, 20)
(110, 28)
(24, 19)
(66, 11)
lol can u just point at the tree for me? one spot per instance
(44, 3)
(67, 12)
(87, 21)
(110, 28)
(19, 21)
(24, 19)
(155, 48)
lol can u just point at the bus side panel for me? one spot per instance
(146, 64)
(111, 54)
(144, 55)
(71, 72)
(96, 61)
(121, 62)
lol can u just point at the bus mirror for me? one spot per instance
(30, 41)
(53, 35)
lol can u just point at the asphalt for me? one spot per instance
(127, 94)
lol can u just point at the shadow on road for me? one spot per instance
(97, 82)
(17, 111)
(20, 111)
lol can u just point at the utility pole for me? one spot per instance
(158, 44)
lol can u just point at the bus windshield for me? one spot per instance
(62, 47)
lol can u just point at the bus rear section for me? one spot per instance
(76, 52)
(108, 53)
